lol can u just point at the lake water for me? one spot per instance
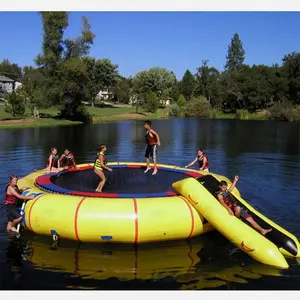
(265, 154)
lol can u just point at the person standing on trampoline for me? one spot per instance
(99, 166)
(152, 141)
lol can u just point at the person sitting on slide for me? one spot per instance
(67, 160)
(53, 164)
(202, 161)
(231, 205)
(12, 194)
(99, 165)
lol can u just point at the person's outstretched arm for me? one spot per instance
(236, 178)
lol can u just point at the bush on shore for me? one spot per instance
(198, 107)
(285, 111)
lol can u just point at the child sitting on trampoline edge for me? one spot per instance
(53, 163)
(67, 160)
(99, 165)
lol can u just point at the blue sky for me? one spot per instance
(177, 41)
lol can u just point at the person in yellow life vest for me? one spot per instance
(99, 166)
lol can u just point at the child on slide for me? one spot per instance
(230, 204)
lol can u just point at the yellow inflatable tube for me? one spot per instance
(116, 220)
(240, 234)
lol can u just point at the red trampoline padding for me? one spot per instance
(193, 174)
(170, 193)
(126, 181)
(94, 194)
(134, 166)
(44, 180)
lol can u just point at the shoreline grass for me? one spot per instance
(112, 114)
(27, 123)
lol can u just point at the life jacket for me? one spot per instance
(229, 201)
(97, 163)
(55, 160)
(150, 137)
(200, 161)
(11, 199)
(68, 160)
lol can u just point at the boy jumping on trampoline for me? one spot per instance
(152, 141)
(231, 205)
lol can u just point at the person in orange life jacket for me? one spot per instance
(53, 163)
(67, 160)
(202, 160)
(233, 208)
(12, 194)
(152, 141)
(99, 166)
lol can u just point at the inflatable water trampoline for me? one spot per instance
(136, 207)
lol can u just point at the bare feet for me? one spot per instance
(154, 172)
(147, 170)
(265, 231)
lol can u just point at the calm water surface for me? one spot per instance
(266, 156)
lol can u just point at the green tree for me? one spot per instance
(49, 61)
(175, 91)
(187, 85)
(181, 101)
(233, 84)
(122, 90)
(236, 54)
(263, 85)
(73, 88)
(156, 80)
(102, 74)
(10, 70)
(15, 104)
(66, 75)
(54, 24)
(33, 89)
(80, 46)
(208, 83)
(291, 69)
(151, 104)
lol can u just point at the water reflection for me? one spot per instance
(188, 264)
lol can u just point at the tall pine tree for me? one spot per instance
(187, 85)
(236, 54)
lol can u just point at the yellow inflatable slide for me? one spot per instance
(267, 249)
